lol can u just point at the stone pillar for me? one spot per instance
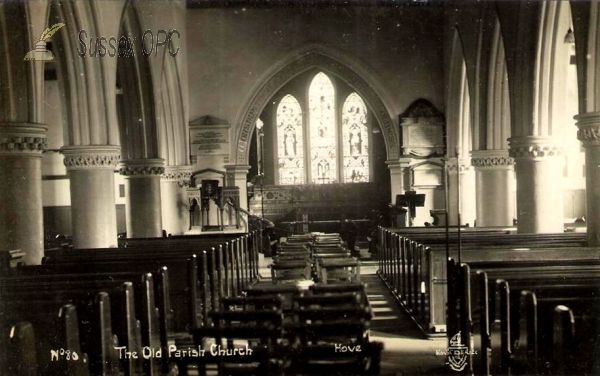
(494, 176)
(142, 192)
(399, 177)
(174, 199)
(236, 176)
(539, 170)
(91, 172)
(21, 219)
(589, 135)
(463, 167)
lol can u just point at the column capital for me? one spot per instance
(589, 128)
(23, 139)
(142, 168)
(534, 147)
(456, 165)
(401, 163)
(236, 171)
(492, 160)
(91, 157)
(179, 174)
(237, 168)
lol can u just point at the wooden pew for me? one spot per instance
(290, 271)
(55, 348)
(338, 270)
(514, 330)
(233, 265)
(131, 316)
(416, 273)
(315, 321)
(182, 286)
(10, 260)
(332, 334)
(221, 270)
(151, 304)
(260, 330)
(97, 339)
(244, 245)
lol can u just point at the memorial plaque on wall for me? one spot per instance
(210, 141)
(422, 130)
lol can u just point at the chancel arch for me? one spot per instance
(268, 86)
(318, 134)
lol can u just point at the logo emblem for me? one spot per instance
(41, 53)
(457, 353)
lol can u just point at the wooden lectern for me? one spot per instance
(410, 200)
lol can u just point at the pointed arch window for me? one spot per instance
(290, 145)
(323, 145)
(327, 144)
(355, 136)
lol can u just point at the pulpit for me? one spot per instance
(226, 199)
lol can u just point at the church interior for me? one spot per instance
(280, 187)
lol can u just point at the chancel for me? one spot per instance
(213, 187)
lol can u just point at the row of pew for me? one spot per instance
(316, 318)
(320, 257)
(414, 265)
(123, 311)
(164, 306)
(527, 317)
(293, 330)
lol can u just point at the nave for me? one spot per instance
(504, 303)
(184, 306)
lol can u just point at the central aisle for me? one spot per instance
(407, 352)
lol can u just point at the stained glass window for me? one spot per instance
(325, 126)
(323, 145)
(355, 138)
(290, 145)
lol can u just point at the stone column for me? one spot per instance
(142, 192)
(463, 167)
(236, 176)
(399, 177)
(91, 172)
(174, 199)
(589, 135)
(539, 170)
(21, 222)
(494, 175)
